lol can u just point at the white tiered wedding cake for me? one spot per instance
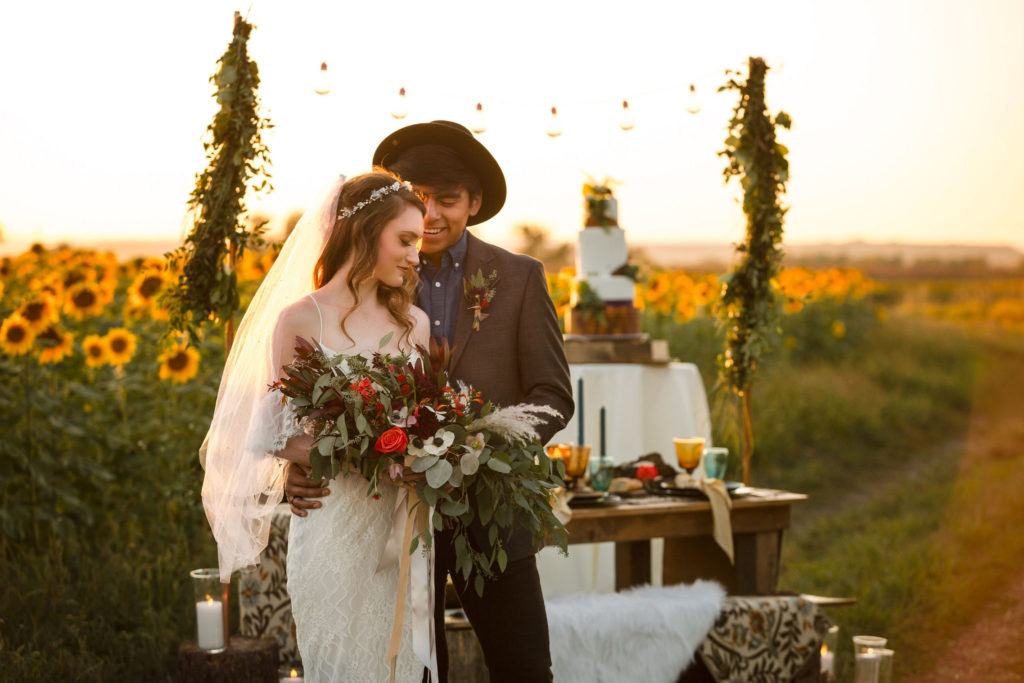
(602, 300)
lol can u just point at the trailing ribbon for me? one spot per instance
(721, 505)
(421, 565)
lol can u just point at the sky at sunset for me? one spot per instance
(906, 113)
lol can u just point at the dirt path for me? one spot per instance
(988, 647)
(987, 651)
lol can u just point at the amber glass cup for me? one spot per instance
(688, 452)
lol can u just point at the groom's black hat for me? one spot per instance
(460, 140)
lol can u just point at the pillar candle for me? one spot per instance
(579, 411)
(210, 624)
(828, 661)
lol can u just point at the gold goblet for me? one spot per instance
(576, 464)
(688, 452)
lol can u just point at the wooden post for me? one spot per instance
(246, 660)
(748, 435)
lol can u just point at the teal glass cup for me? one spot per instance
(716, 460)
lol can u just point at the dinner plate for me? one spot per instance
(662, 488)
(600, 501)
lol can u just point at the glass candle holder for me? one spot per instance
(209, 610)
(865, 666)
(884, 664)
(865, 643)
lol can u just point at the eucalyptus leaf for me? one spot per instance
(454, 509)
(438, 474)
(499, 466)
(424, 463)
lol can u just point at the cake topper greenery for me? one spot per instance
(237, 160)
(597, 195)
(747, 311)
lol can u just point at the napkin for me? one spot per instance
(560, 505)
(721, 505)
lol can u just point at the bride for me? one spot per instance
(346, 278)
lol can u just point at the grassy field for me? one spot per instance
(910, 444)
(903, 430)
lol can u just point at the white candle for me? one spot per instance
(828, 661)
(292, 677)
(210, 623)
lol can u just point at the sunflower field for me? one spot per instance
(104, 413)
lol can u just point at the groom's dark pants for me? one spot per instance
(509, 619)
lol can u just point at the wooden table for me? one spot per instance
(690, 551)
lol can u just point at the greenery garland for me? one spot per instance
(747, 310)
(237, 158)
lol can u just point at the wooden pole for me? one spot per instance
(748, 436)
(229, 326)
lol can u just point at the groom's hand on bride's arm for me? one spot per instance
(299, 489)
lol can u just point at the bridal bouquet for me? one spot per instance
(398, 418)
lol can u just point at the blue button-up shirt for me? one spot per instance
(441, 289)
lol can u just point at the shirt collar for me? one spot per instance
(453, 257)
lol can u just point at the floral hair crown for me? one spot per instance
(374, 196)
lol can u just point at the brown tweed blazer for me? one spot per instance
(518, 354)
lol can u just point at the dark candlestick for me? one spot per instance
(602, 432)
(579, 410)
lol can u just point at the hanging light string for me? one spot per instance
(627, 121)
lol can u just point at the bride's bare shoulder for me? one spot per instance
(420, 326)
(300, 317)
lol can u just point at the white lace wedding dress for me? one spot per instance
(343, 608)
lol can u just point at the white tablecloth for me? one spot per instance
(645, 407)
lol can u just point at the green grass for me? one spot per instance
(903, 437)
(879, 428)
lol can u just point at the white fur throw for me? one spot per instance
(645, 634)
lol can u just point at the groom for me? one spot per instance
(515, 355)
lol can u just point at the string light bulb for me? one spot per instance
(693, 104)
(323, 81)
(628, 121)
(400, 109)
(479, 123)
(554, 125)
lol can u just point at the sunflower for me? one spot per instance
(16, 335)
(146, 287)
(179, 364)
(97, 351)
(39, 312)
(54, 344)
(84, 299)
(122, 344)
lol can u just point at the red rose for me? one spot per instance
(485, 303)
(393, 440)
(646, 471)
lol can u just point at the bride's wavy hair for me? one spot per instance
(356, 239)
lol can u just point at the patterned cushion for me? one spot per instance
(264, 606)
(763, 638)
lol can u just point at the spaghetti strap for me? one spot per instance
(320, 339)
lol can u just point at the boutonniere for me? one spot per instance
(479, 292)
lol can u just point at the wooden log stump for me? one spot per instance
(246, 660)
(465, 657)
